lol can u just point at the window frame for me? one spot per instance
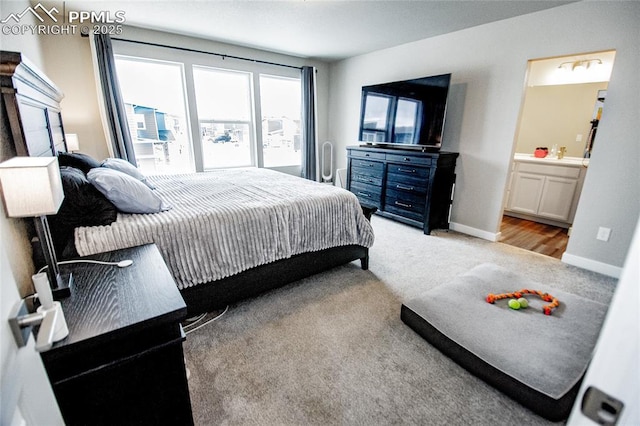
(189, 60)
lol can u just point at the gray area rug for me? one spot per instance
(332, 350)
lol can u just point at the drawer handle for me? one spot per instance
(370, 165)
(406, 188)
(398, 203)
(400, 169)
(364, 194)
(407, 159)
(366, 155)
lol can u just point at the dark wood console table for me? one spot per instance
(122, 362)
(410, 186)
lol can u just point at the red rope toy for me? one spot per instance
(547, 309)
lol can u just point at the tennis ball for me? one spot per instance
(514, 304)
(523, 302)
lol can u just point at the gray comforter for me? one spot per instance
(226, 221)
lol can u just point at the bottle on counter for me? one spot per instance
(561, 152)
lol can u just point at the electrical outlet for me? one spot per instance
(579, 137)
(603, 233)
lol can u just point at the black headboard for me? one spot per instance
(32, 105)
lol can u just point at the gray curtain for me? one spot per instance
(309, 123)
(114, 105)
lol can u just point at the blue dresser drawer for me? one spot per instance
(409, 159)
(375, 167)
(409, 170)
(367, 154)
(364, 178)
(369, 195)
(401, 211)
(405, 200)
(407, 183)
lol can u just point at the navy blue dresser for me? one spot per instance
(413, 187)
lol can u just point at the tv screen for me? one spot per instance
(407, 113)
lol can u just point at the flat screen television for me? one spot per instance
(407, 114)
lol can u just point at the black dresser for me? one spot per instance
(413, 187)
(122, 362)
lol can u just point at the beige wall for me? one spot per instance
(556, 115)
(69, 64)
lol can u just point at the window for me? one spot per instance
(280, 105)
(155, 106)
(192, 111)
(224, 102)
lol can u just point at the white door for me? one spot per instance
(615, 368)
(26, 394)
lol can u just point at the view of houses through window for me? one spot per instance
(155, 100)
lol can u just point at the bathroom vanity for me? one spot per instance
(545, 190)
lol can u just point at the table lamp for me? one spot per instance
(73, 144)
(32, 187)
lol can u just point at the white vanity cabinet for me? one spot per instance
(545, 190)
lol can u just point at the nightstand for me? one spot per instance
(122, 362)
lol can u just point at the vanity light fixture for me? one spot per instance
(583, 64)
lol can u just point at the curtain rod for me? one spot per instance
(222, 55)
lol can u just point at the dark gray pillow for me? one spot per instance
(126, 167)
(127, 193)
(83, 205)
(77, 160)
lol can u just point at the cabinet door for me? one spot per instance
(557, 198)
(526, 192)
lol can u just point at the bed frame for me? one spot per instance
(33, 117)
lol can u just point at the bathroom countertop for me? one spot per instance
(566, 161)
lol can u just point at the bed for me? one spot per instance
(225, 235)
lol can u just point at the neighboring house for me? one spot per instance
(150, 134)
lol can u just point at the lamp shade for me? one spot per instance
(31, 186)
(72, 142)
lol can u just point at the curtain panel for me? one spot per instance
(114, 116)
(309, 144)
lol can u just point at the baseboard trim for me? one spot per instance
(592, 265)
(474, 232)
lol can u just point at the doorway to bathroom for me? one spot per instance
(562, 103)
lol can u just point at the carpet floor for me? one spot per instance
(331, 349)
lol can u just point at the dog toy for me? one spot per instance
(517, 295)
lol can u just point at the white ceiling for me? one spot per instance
(321, 29)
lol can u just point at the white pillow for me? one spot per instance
(127, 193)
(126, 167)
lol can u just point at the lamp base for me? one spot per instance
(63, 288)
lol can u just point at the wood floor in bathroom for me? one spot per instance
(533, 236)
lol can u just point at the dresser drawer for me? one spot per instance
(367, 154)
(397, 208)
(407, 183)
(409, 170)
(373, 166)
(364, 178)
(368, 195)
(405, 200)
(407, 159)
